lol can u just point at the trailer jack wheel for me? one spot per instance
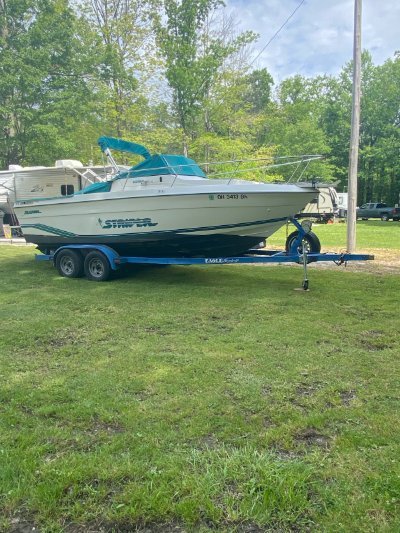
(309, 243)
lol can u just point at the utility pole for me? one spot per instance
(355, 131)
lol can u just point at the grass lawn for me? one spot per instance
(370, 234)
(200, 398)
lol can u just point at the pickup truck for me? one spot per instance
(378, 210)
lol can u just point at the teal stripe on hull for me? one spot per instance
(62, 233)
(50, 229)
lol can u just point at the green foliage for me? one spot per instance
(175, 76)
(43, 87)
(194, 54)
(379, 166)
(292, 125)
(259, 89)
(125, 59)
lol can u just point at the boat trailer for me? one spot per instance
(98, 261)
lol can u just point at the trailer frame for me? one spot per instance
(106, 258)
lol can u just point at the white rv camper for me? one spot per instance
(343, 198)
(324, 206)
(65, 178)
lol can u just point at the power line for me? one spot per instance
(277, 32)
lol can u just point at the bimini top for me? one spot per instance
(106, 143)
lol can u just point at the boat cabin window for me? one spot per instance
(67, 190)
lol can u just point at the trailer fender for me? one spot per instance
(112, 255)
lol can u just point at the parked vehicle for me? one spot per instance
(396, 213)
(376, 210)
(343, 200)
(31, 183)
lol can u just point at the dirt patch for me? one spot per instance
(155, 330)
(21, 526)
(170, 527)
(386, 261)
(208, 442)
(63, 338)
(347, 396)
(374, 341)
(267, 423)
(302, 392)
(127, 527)
(288, 455)
(266, 390)
(249, 528)
(311, 437)
(307, 389)
(102, 426)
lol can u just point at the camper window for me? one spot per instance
(66, 190)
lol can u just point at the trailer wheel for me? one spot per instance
(69, 263)
(310, 243)
(97, 266)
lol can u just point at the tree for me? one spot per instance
(194, 54)
(379, 129)
(292, 125)
(125, 57)
(43, 88)
(259, 91)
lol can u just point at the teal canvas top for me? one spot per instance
(163, 164)
(103, 186)
(153, 165)
(122, 146)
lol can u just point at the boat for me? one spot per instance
(164, 206)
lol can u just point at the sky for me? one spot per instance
(318, 39)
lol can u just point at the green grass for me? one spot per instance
(198, 399)
(369, 234)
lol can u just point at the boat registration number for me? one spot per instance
(231, 196)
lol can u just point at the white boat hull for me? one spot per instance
(192, 221)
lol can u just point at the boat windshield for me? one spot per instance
(163, 164)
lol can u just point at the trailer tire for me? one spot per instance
(310, 241)
(69, 263)
(97, 266)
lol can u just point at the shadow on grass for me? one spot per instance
(23, 269)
